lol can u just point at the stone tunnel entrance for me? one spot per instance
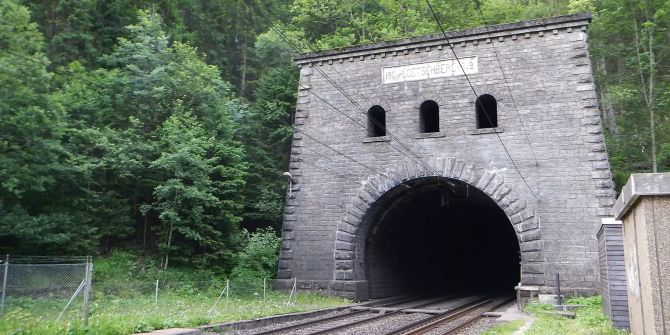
(436, 235)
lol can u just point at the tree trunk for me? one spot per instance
(363, 21)
(608, 113)
(243, 77)
(167, 250)
(652, 112)
(647, 88)
(144, 237)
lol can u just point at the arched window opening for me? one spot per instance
(487, 111)
(429, 117)
(376, 121)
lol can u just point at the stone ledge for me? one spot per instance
(377, 139)
(565, 21)
(430, 135)
(480, 131)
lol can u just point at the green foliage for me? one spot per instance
(113, 315)
(123, 300)
(628, 41)
(166, 126)
(153, 130)
(37, 169)
(267, 136)
(589, 319)
(258, 258)
(29, 129)
(593, 301)
(506, 328)
(332, 24)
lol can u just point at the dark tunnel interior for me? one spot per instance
(439, 236)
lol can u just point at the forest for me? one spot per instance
(163, 127)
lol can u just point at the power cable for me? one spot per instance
(375, 121)
(337, 151)
(332, 172)
(477, 96)
(346, 95)
(502, 71)
(25, 57)
(365, 98)
(356, 121)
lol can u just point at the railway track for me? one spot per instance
(333, 323)
(376, 315)
(452, 321)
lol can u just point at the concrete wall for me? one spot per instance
(644, 208)
(551, 114)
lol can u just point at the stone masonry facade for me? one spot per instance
(540, 74)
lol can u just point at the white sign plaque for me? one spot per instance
(422, 71)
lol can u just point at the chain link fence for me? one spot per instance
(58, 293)
(217, 293)
(55, 288)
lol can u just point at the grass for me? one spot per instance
(123, 300)
(506, 328)
(589, 320)
(119, 316)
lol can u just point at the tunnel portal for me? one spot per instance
(378, 199)
(438, 235)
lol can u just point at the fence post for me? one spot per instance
(156, 296)
(263, 289)
(4, 286)
(225, 290)
(87, 288)
(79, 288)
(292, 294)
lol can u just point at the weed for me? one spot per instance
(589, 319)
(504, 328)
(120, 316)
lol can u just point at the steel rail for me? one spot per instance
(469, 320)
(284, 330)
(374, 318)
(424, 325)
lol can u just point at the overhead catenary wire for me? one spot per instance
(339, 175)
(357, 122)
(451, 47)
(337, 151)
(350, 118)
(357, 105)
(374, 121)
(365, 98)
(346, 95)
(504, 77)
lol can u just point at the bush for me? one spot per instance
(258, 258)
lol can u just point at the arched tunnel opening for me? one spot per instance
(437, 235)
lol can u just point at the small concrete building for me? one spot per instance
(450, 163)
(644, 208)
